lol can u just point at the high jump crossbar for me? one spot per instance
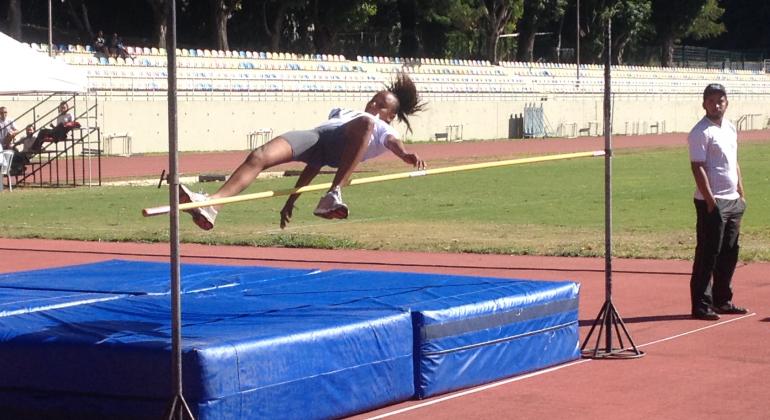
(155, 211)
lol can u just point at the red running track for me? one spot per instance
(692, 369)
(225, 162)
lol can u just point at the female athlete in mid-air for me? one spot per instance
(345, 139)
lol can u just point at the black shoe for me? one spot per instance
(730, 309)
(706, 315)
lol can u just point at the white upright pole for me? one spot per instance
(50, 30)
(577, 42)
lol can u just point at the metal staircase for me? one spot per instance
(72, 161)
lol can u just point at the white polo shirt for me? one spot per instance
(64, 118)
(717, 147)
(382, 130)
(6, 127)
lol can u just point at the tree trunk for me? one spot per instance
(220, 25)
(498, 12)
(667, 52)
(323, 39)
(527, 28)
(618, 48)
(14, 19)
(78, 12)
(275, 27)
(87, 22)
(275, 37)
(557, 49)
(161, 31)
(492, 40)
(409, 46)
(160, 14)
(526, 46)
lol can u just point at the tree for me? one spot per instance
(450, 28)
(222, 11)
(274, 14)
(672, 20)
(629, 23)
(410, 44)
(332, 16)
(14, 19)
(497, 15)
(535, 14)
(707, 24)
(160, 19)
(78, 14)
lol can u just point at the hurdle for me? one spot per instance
(155, 211)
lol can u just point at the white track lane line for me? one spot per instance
(541, 372)
(698, 329)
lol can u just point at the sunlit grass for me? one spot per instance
(552, 208)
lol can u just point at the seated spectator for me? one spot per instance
(28, 149)
(28, 143)
(64, 123)
(7, 129)
(118, 48)
(100, 44)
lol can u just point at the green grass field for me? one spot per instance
(554, 208)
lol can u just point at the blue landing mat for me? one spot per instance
(112, 360)
(15, 302)
(141, 278)
(294, 344)
(468, 330)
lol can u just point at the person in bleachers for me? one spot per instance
(7, 128)
(27, 143)
(64, 123)
(29, 147)
(343, 141)
(100, 44)
(118, 48)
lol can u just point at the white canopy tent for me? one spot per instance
(28, 71)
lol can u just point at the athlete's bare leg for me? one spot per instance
(274, 152)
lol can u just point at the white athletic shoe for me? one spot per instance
(331, 206)
(204, 217)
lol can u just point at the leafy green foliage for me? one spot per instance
(707, 24)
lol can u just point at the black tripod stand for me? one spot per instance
(608, 317)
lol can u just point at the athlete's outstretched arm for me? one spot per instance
(307, 175)
(397, 147)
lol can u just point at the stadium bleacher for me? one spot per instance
(287, 91)
(254, 72)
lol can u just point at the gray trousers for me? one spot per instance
(716, 253)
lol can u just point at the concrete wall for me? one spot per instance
(221, 122)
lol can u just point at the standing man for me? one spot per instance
(7, 129)
(719, 204)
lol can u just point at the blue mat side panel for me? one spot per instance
(337, 369)
(444, 372)
(234, 362)
(503, 338)
(331, 395)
